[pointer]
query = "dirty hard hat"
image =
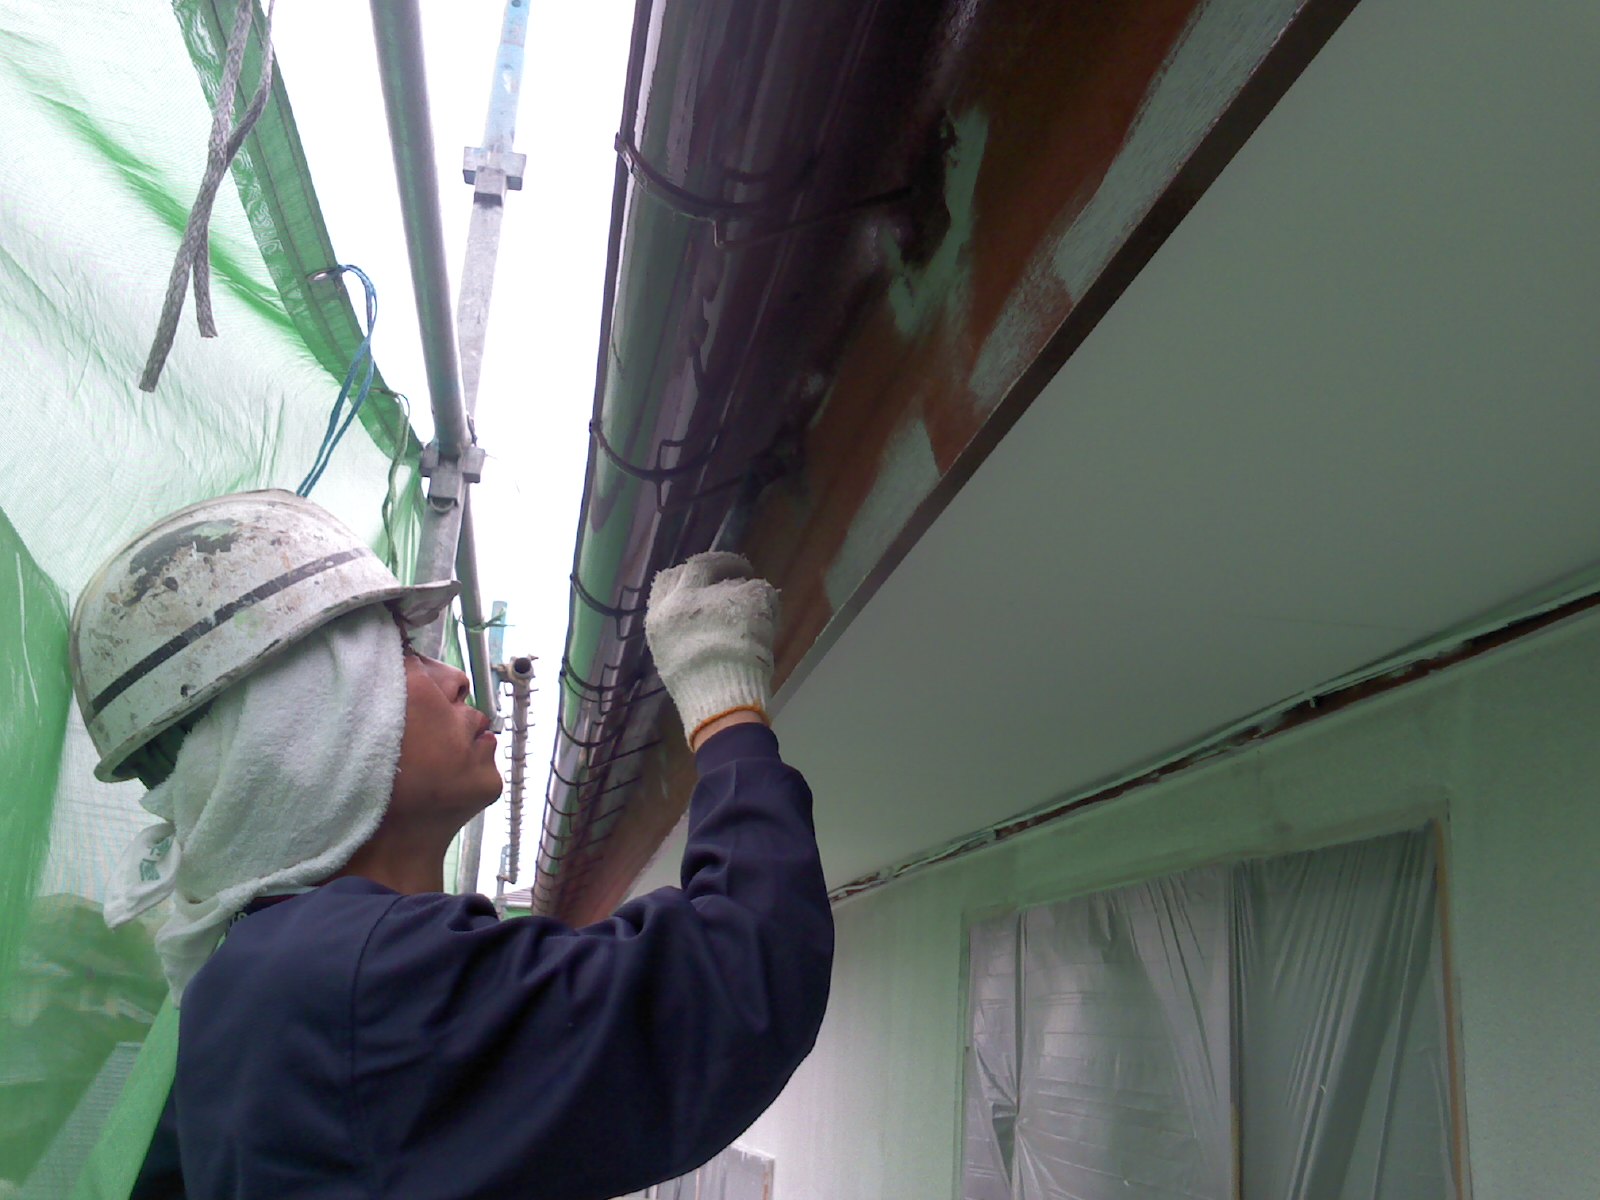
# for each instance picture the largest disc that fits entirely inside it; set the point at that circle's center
(204, 597)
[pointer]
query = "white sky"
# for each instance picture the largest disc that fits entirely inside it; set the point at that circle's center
(538, 373)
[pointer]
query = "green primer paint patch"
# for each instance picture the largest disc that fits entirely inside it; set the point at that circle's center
(906, 475)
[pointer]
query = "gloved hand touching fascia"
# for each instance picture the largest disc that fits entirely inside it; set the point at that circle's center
(710, 625)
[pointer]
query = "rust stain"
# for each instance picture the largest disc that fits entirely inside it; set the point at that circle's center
(1070, 80)
(795, 540)
(1062, 86)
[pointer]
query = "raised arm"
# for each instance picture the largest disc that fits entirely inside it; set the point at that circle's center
(525, 1056)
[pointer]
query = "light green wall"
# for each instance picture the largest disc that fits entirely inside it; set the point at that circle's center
(1505, 748)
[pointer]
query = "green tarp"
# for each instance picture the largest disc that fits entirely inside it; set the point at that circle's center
(101, 150)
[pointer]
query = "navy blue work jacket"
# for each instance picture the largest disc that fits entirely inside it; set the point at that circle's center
(356, 1043)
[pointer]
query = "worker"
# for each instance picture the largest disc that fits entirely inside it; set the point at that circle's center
(347, 1029)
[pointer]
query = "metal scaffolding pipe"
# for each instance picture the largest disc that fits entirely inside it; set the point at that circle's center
(483, 681)
(491, 169)
(396, 26)
(397, 29)
(447, 546)
(472, 614)
(437, 540)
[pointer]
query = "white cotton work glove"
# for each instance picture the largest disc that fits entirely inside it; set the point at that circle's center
(710, 625)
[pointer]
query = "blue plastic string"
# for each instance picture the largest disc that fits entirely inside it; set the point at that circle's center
(362, 362)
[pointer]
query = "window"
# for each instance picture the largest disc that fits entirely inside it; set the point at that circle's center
(1272, 1030)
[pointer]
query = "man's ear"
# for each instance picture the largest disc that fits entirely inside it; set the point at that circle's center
(154, 761)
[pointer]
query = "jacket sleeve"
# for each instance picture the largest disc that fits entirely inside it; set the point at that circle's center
(525, 1057)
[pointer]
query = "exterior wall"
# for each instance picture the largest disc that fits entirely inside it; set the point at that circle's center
(1503, 748)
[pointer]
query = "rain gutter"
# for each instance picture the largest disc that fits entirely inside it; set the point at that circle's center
(453, 460)
(726, 146)
(560, 808)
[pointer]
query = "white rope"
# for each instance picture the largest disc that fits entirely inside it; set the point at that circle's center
(194, 252)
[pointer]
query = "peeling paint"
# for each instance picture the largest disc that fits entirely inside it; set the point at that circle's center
(906, 474)
(917, 296)
(149, 565)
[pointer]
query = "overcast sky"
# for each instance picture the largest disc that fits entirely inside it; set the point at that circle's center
(538, 377)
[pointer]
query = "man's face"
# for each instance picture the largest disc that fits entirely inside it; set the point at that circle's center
(447, 767)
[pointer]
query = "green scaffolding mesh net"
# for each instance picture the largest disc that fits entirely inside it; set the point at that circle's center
(107, 109)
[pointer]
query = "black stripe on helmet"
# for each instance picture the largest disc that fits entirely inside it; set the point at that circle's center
(204, 626)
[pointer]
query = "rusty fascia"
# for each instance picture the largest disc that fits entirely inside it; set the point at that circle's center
(743, 181)
(1069, 141)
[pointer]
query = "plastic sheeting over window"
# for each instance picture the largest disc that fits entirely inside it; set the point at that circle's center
(991, 1059)
(735, 1174)
(1124, 1012)
(1342, 1068)
(1115, 1036)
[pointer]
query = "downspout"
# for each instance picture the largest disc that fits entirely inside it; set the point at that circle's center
(452, 461)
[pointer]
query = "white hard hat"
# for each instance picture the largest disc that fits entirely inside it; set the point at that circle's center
(204, 597)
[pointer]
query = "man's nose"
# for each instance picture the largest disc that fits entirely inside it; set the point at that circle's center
(452, 682)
